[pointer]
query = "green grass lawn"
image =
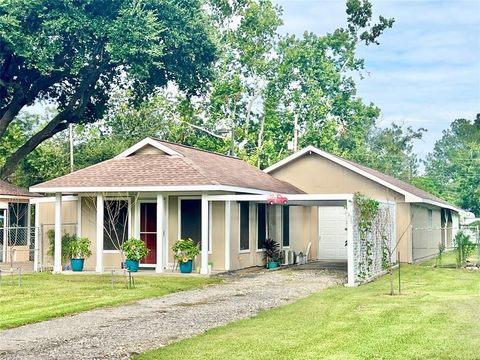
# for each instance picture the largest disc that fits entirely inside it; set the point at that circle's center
(436, 317)
(43, 296)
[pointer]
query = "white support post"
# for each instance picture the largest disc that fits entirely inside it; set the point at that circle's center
(29, 224)
(36, 242)
(99, 264)
(228, 212)
(205, 223)
(350, 248)
(57, 258)
(160, 231)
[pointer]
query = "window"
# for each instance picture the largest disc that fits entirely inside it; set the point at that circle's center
(17, 214)
(115, 224)
(286, 226)
(261, 225)
(244, 226)
(191, 219)
(430, 219)
(17, 224)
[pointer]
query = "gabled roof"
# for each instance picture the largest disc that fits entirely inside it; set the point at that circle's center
(411, 193)
(156, 165)
(13, 191)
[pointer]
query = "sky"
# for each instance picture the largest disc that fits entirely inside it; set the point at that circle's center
(426, 70)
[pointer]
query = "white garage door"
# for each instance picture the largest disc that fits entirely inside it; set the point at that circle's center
(332, 233)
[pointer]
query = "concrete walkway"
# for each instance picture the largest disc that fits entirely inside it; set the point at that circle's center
(119, 332)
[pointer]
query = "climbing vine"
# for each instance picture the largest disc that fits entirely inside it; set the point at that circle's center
(367, 211)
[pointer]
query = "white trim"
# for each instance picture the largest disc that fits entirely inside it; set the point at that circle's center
(290, 197)
(15, 198)
(111, 251)
(142, 144)
(228, 234)
(179, 217)
(150, 188)
(159, 243)
(244, 251)
(29, 224)
(350, 248)
(204, 240)
(52, 199)
(36, 254)
(57, 262)
(99, 233)
(166, 220)
(409, 197)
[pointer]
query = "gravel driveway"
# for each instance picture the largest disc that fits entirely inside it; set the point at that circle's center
(119, 332)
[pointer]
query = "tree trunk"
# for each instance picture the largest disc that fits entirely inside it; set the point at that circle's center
(57, 124)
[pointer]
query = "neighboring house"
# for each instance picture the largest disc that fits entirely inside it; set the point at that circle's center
(423, 221)
(15, 222)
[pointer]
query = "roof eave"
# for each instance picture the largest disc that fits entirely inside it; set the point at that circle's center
(155, 188)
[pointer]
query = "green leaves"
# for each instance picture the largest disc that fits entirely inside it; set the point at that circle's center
(453, 165)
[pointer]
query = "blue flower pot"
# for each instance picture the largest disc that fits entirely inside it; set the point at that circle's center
(131, 265)
(76, 264)
(272, 265)
(186, 267)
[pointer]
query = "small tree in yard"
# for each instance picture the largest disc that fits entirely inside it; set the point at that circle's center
(463, 248)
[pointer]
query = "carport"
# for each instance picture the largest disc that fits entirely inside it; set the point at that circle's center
(334, 225)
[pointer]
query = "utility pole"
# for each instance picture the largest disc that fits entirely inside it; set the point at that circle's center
(295, 133)
(70, 130)
(232, 149)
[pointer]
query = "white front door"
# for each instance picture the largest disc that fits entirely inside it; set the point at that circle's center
(332, 233)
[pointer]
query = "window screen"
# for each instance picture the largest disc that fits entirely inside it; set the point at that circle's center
(430, 219)
(286, 226)
(261, 225)
(244, 226)
(115, 224)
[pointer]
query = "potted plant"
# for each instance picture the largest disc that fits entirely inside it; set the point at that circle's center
(79, 250)
(271, 254)
(67, 240)
(185, 251)
(135, 250)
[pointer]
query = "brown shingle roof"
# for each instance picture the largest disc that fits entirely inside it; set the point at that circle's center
(193, 167)
(400, 184)
(13, 190)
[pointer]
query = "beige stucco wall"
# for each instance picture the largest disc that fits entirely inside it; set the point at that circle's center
(317, 175)
(425, 240)
(403, 229)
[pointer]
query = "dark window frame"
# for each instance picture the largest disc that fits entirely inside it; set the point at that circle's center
(262, 228)
(108, 243)
(285, 226)
(244, 224)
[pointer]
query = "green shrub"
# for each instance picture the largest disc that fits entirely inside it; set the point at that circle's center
(463, 247)
(73, 247)
(185, 249)
(134, 249)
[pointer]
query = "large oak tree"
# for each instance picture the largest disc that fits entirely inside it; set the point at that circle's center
(75, 54)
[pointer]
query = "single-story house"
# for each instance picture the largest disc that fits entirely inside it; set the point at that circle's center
(16, 238)
(423, 221)
(159, 192)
